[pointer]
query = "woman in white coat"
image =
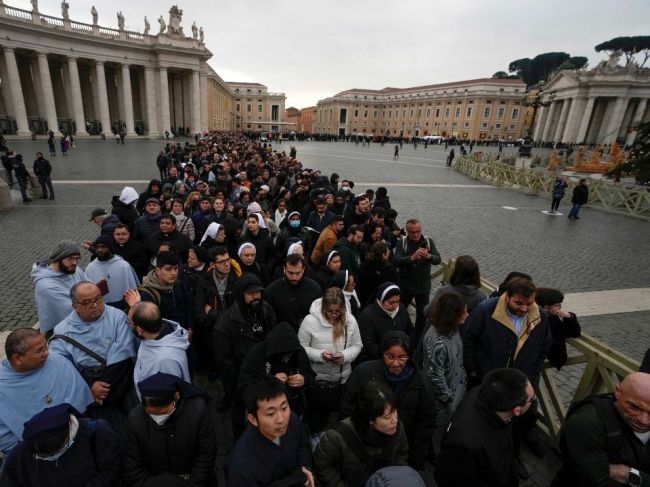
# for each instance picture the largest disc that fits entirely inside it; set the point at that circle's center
(330, 336)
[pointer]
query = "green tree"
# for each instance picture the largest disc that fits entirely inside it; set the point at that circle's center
(629, 46)
(575, 62)
(638, 164)
(500, 75)
(532, 71)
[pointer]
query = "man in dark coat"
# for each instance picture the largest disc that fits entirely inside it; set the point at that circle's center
(43, 171)
(153, 191)
(274, 447)
(171, 438)
(348, 249)
(148, 223)
(291, 296)
(61, 448)
(22, 176)
(415, 254)
(130, 250)
(282, 356)
(477, 450)
(178, 242)
(580, 197)
(360, 215)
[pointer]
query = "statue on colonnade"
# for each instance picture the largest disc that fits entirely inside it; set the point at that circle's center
(93, 12)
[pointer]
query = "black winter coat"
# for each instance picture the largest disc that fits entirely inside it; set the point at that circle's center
(126, 213)
(373, 274)
(92, 460)
(179, 243)
(415, 406)
(134, 253)
(561, 329)
(292, 303)
(145, 226)
(477, 450)
(265, 250)
(185, 445)
(580, 194)
(374, 323)
(206, 292)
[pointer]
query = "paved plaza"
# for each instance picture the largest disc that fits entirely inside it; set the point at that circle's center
(602, 260)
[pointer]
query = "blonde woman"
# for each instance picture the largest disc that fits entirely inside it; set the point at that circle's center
(330, 336)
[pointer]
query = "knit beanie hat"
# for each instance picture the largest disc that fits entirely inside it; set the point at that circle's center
(104, 240)
(65, 248)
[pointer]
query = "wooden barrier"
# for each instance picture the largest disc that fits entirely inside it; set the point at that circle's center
(603, 194)
(604, 368)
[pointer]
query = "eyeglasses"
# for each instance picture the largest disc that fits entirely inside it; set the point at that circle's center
(220, 262)
(391, 358)
(531, 400)
(90, 302)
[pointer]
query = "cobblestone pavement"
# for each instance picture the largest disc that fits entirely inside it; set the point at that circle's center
(601, 251)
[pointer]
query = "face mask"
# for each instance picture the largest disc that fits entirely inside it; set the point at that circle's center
(161, 419)
(294, 223)
(74, 427)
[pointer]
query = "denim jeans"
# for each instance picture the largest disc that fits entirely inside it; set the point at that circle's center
(575, 209)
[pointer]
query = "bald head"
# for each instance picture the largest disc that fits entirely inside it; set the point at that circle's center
(633, 401)
(147, 316)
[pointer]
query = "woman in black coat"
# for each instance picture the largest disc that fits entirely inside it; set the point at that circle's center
(415, 402)
(386, 313)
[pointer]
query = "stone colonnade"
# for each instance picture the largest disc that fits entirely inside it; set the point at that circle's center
(72, 94)
(590, 119)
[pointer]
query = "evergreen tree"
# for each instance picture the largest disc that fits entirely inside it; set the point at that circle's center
(638, 164)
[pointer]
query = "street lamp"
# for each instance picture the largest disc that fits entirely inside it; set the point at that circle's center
(537, 102)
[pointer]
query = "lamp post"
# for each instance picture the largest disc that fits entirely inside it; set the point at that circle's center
(537, 102)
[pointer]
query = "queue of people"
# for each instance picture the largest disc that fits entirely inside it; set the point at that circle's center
(243, 267)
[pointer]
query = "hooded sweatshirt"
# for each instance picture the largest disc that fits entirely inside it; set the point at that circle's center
(175, 301)
(52, 293)
(167, 354)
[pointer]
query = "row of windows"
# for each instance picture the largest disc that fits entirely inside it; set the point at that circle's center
(501, 111)
(484, 125)
(416, 95)
(249, 108)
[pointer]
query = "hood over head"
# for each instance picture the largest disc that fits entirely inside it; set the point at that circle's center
(281, 339)
(128, 195)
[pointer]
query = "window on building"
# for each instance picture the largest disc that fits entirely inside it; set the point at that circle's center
(468, 113)
(403, 113)
(374, 114)
(275, 112)
(365, 114)
(259, 108)
(515, 113)
(457, 115)
(486, 112)
(356, 113)
(343, 115)
(501, 112)
(238, 107)
(484, 125)
(411, 113)
(497, 126)
(446, 112)
(249, 108)
(512, 126)
(437, 112)
(428, 112)
(466, 125)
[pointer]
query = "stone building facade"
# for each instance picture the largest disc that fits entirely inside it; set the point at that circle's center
(598, 106)
(257, 109)
(480, 109)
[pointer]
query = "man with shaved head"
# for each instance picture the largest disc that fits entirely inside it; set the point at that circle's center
(605, 437)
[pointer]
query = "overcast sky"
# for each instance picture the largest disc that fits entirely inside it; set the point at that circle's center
(313, 49)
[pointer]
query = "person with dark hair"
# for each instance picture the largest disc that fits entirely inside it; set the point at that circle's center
(348, 249)
(274, 449)
(239, 328)
(60, 447)
(258, 234)
(154, 189)
(415, 404)
(375, 271)
(563, 324)
(502, 287)
(442, 357)
(179, 243)
(326, 239)
(465, 279)
(43, 170)
(344, 280)
(360, 214)
(32, 379)
(330, 336)
(162, 287)
(22, 175)
(291, 296)
(579, 197)
(382, 200)
(510, 331)
(282, 356)
(477, 450)
(386, 313)
(292, 230)
(130, 250)
(372, 437)
(330, 265)
(201, 217)
(163, 344)
(415, 254)
(171, 437)
(149, 221)
(53, 278)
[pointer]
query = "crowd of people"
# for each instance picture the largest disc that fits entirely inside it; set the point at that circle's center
(243, 268)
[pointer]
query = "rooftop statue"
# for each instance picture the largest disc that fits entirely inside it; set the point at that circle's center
(64, 10)
(162, 24)
(93, 12)
(175, 18)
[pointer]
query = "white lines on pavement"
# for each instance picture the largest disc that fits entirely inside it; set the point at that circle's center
(607, 302)
(511, 208)
(427, 185)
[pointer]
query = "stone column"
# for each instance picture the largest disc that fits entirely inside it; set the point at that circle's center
(196, 102)
(573, 120)
(48, 93)
(584, 124)
(549, 122)
(204, 103)
(615, 121)
(541, 121)
(150, 94)
(77, 102)
(127, 96)
(20, 112)
(164, 101)
(638, 117)
(561, 122)
(102, 94)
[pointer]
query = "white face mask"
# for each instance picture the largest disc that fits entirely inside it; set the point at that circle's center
(161, 419)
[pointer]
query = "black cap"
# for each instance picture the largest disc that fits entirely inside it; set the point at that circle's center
(49, 423)
(97, 212)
